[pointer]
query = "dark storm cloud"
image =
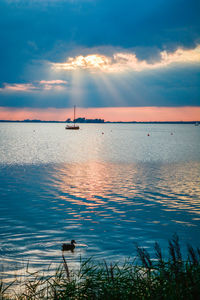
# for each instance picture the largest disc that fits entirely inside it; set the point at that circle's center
(32, 31)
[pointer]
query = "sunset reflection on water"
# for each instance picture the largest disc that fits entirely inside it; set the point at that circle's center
(94, 184)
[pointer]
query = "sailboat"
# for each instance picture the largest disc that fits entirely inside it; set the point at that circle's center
(73, 127)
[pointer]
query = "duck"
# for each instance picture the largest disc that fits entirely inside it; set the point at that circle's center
(67, 247)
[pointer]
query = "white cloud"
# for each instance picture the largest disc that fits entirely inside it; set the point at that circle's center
(124, 61)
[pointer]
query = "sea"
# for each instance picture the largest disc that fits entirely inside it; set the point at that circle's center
(109, 187)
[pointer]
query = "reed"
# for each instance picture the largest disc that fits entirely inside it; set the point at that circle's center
(143, 278)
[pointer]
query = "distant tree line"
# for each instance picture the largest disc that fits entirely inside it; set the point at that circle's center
(84, 120)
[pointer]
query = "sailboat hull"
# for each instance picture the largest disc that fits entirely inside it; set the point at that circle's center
(72, 127)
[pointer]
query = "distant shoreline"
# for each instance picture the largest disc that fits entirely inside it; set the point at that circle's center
(104, 122)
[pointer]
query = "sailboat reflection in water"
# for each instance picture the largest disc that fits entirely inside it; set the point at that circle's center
(74, 127)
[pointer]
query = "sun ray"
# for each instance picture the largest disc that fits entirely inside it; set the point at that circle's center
(130, 85)
(77, 89)
(107, 87)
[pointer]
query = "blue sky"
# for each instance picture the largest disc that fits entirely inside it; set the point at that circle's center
(99, 53)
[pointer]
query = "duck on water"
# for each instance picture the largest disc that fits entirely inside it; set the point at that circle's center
(69, 247)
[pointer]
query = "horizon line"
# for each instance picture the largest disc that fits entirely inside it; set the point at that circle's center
(93, 121)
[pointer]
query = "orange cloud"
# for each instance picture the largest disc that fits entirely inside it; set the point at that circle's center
(53, 82)
(120, 62)
(186, 113)
(18, 87)
(36, 86)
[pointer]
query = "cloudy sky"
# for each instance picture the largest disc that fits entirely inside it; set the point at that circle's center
(114, 59)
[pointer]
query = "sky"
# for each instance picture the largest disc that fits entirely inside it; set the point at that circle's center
(130, 60)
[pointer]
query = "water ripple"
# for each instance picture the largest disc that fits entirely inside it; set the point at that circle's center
(106, 197)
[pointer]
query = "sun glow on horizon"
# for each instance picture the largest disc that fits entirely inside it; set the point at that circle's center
(144, 114)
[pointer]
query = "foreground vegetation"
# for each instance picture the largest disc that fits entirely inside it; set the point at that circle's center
(152, 278)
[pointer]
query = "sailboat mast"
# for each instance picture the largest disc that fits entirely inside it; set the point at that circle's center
(71, 126)
(74, 114)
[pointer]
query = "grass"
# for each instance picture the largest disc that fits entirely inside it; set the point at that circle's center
(144, 278)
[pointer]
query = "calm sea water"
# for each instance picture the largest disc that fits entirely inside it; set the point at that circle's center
(108, 186)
